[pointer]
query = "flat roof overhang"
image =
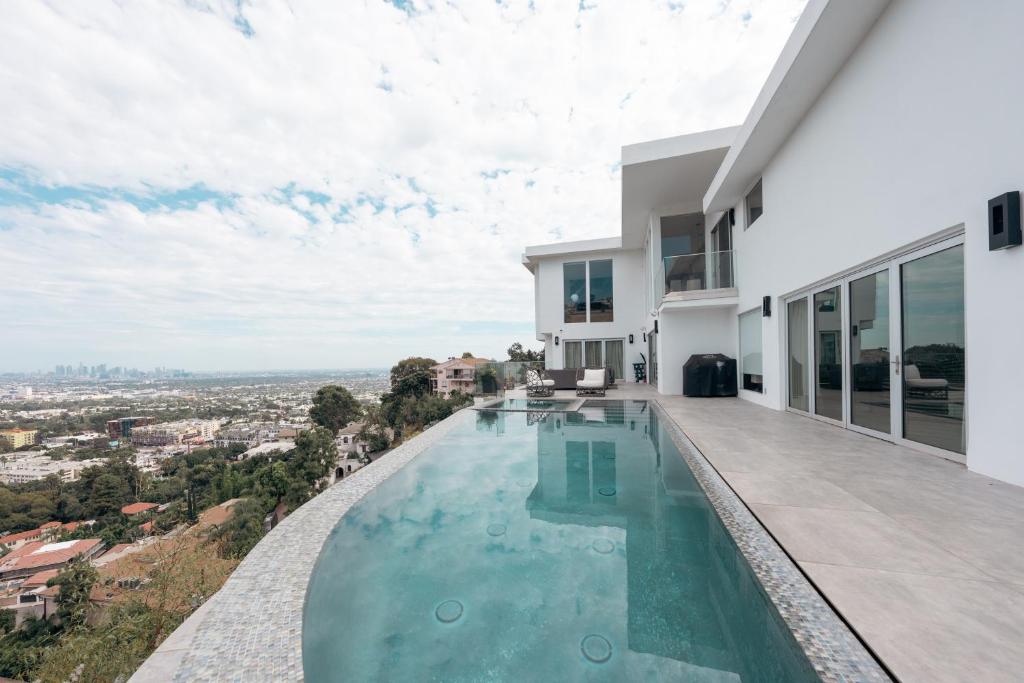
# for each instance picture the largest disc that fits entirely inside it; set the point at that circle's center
(823, 39)
(667, 173)
(538, 251)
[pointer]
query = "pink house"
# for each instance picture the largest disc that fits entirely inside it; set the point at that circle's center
(455, 374)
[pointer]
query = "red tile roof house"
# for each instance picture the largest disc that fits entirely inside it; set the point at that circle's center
(15, 541)
(38, 556)
(48, 530)
(137, 508)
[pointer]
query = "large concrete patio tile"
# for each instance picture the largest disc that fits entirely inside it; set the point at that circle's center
(996, 549)
(793, 490)
(859, 539)
(960, 495)
(929, 628)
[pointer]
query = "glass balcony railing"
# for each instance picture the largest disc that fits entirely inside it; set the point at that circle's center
(500, 376)
(696, 272)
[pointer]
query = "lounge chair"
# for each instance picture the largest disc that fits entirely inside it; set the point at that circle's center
(591, 382)
(937, 387)
(538, 385)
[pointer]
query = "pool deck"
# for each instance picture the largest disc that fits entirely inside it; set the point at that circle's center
(923, 559)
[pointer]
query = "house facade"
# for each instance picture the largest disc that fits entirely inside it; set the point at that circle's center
(839, 244)
(455, 374)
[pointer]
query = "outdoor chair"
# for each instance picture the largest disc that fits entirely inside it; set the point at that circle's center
(591, 382)
(538, 385)
(937, 388)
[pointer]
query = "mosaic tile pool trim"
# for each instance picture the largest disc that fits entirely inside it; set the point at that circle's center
(830, 646)
(251, 630)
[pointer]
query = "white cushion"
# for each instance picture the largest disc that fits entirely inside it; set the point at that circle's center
(593, 376)
(936, 383)
(587, 384)
(547, 382)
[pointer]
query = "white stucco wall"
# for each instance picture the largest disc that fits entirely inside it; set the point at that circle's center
(628, 292)
(683, 333)
(919, 129)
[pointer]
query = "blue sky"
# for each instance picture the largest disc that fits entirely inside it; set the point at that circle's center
(247, 185)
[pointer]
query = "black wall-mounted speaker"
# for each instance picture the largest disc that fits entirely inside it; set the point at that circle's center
(1004, 221)
(766, 307)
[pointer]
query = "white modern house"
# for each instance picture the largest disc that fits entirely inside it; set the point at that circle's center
(846, 243)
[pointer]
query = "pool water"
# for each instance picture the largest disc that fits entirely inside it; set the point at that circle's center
(542, 547)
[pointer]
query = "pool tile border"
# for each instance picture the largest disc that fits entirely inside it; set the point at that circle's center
(251, 629)
(832, 649)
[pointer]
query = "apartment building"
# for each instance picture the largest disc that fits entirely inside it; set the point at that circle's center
(175, 433)
(839, 244)
(34, 466)
(121, 428)
(18, 438)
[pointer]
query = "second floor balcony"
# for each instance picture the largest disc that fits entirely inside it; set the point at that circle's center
(702, 275)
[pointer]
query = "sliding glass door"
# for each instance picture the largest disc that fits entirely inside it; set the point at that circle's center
(596, 353)
(828, 353)
(870, 341)
(882, 351)
(798, 334)
(934, 349)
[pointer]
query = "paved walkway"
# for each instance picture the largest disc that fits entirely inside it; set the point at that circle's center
(924, 559)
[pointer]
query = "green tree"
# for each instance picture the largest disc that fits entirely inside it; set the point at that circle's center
(242, 530)
(517, 353)
(467, 354)
(75, 581)
(409, 367)
(374, 432)
(309, 464)
(334, 407)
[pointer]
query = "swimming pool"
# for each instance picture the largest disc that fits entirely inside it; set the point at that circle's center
(542, 546)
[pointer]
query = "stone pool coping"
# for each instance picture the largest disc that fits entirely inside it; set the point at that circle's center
(251, 630)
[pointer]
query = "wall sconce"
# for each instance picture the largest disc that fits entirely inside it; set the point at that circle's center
(766, 307)
(631, 339)
(556, 341)
(1004, 221)
(655, 327)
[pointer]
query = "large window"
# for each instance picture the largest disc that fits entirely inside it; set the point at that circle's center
(755, 204)
(574, 277)
(573, 355)
(601, 291)
(587, 291)
(750, 350)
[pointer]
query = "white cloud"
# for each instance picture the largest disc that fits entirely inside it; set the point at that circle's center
(374, 173)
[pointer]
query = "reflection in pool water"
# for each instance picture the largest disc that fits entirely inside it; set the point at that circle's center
(552, 547)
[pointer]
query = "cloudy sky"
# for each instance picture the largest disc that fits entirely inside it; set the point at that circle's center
(266, 184)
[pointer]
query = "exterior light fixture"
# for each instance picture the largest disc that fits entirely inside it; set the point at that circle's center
(556, 341)
(655, 327)
(630, 339)
(766, 307)
(1004, 228)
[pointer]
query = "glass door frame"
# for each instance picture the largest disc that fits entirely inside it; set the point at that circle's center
(893, 265)
(896, 284)
(895, 373)
(812, 397)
